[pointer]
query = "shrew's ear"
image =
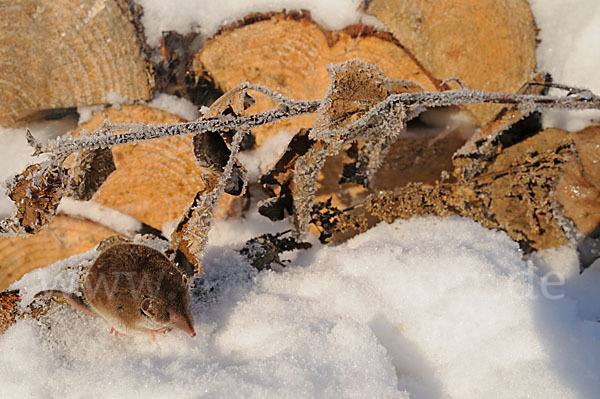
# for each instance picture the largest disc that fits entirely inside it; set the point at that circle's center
(148, 307)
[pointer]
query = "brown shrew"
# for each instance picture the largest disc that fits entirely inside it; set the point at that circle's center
(135, 288)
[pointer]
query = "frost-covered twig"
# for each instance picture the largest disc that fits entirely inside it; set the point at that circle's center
(580, 99)
(63, 147)
(278, 98)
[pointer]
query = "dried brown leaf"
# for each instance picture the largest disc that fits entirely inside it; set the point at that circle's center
(266, 249)
(211, 151)
(8, 309)
(354, 89)
(90, 171)
(37, 192)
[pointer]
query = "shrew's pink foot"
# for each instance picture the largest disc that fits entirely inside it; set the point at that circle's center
(117, 334)
(153, 333)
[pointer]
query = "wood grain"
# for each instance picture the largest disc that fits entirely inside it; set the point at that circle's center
(289, 53)
(57, 54)
(488, 44)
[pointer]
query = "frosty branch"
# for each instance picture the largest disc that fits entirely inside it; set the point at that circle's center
(361, 104)
(109, 135)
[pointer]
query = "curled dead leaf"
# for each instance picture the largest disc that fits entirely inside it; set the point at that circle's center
(8, 309)
(37, 192)
(89, 171)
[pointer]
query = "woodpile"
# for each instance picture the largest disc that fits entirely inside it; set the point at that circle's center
(541, 187)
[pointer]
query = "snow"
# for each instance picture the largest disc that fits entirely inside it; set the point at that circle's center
(16, 153)
(207, 16)
(263, 158)
(91, 210)
(116, 99)
(175, 105)
(423, 308)
(166, 102)
(569, 32)
(86, 112)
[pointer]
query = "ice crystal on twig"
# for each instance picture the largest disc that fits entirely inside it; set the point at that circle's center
(304, 189)
(61, 148)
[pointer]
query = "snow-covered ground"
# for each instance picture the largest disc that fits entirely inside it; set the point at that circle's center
(426, 308)
(429, 308)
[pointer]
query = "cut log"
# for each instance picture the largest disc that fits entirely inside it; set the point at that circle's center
(154, 180)
(519, 185)
(426, 150)
(63, 237)
(289, 53)
(487, 44)
(60, 54)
